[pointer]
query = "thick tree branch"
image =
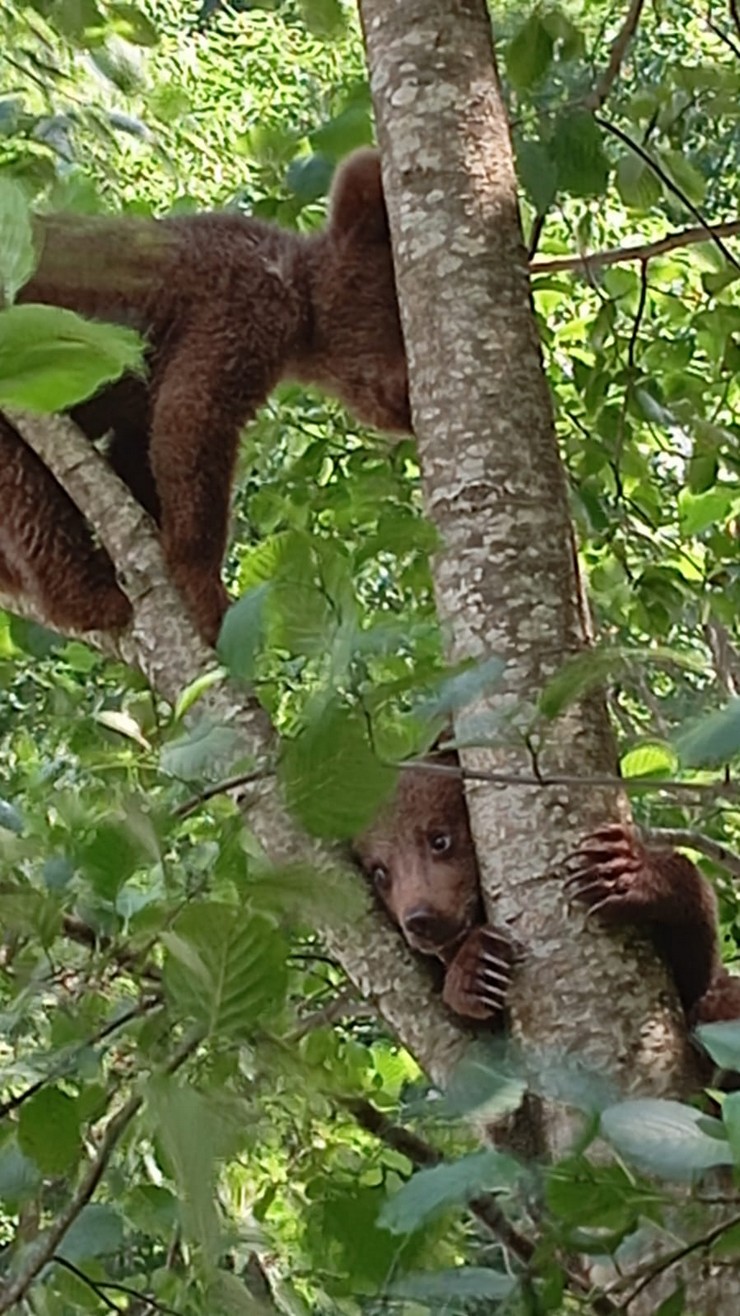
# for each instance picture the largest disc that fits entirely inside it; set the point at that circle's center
(163, 645)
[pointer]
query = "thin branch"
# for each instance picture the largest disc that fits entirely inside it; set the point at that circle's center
(484, 1206)
(56, 1071)
(595, 99)
(667, 182)
(657, 1265)
(720, 788)
(645, 251)
(98, 1285)
(714, 850)
(346, 1006)
(39, 1256)
(735, 15)
(221, 788)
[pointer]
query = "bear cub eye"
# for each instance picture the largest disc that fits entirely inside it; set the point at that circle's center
(381, 877)
(440, 842)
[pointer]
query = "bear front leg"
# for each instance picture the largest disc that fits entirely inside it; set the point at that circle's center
(478, 976)
(624, 881)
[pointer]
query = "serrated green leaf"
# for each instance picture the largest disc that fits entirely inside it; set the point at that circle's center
(430, 1192)
(529, 54)
(666, 1137)
(17, 252)
(51, 358)
(225, 968)
(712, 739)
(49, 1130)
(187, 1126)
(333, 780)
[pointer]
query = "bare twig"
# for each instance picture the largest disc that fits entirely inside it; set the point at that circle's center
(595, 99)
(735, 15)
(645, 251)
(720, 788)
(37, 1257)
(222, 788)
(346, 1006)
(99, 1286)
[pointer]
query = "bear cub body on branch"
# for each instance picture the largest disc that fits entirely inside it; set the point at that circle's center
(419, 855)
(229, 306)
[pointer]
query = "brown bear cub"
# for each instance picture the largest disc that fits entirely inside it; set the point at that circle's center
(419, 855)
(229, 306)
(420, 858)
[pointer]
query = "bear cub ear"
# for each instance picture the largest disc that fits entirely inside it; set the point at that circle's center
(357, 204)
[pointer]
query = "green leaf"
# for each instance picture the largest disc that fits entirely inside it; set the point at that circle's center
(698, 512)
(332, 778)
(529, 54)
(437, 1288)
(187, 1126)
(133, 25)
(537, 173)
(638, 185)
(731, 1121)
(685, 175)
(666, 1137)
(722, 1042)
(674, 1305)
(583, 167)
(652, 759)
(225, 968)
(577, 675)
(430, 1192)
(242, 632)
(51, 358)
(49, 1130)
(17, 253)
(207, 752)
(19, 1177)
(713, 739)
(310, 177)
(351, 128)
(96, 1232)
(325, 18)
(581, 1195)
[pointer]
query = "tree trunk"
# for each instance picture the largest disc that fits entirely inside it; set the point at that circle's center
(507, 581)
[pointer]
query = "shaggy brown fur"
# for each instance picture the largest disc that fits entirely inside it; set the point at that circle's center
(624, 881)
(229, 306)
(419, 855)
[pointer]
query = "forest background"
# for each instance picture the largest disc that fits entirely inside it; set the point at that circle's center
(268, 1110)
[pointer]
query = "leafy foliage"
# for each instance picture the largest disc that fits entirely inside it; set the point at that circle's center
(153, 965)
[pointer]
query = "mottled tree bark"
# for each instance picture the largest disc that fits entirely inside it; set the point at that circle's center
(506, 579)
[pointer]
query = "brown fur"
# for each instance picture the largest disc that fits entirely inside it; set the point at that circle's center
(230, 306)
(419, 854)
(435, 899)
(624, 881)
